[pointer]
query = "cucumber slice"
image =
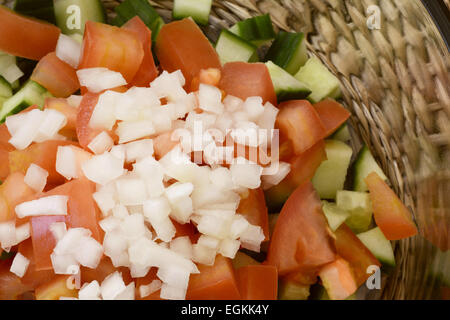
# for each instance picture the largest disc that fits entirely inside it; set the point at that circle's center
(31, 94)
(199, 10)
(5, 88)
(288, 51)
(359, 206)
(330, 176)
(40, 9)
(72, 15)
(258, 30)
(142, 8)
(342, 134)
(364, 165)
(231, 47)
(289, 290)
(380, 247)
(286, 86)
(2, 100)
(335, 215)
(321, 81)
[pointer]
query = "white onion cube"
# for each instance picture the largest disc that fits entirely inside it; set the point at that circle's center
(103, 168)
(101, 143)
(46, 206)
(139, 149)
(134, 130)
(246, 174)
(99, 79)
(19, 265)
(36, 177)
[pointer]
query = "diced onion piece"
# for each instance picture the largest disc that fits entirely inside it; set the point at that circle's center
(119, 152)
(221, 177)
(157, 212)
(232, 103)
(210, 99)
(152, 287)
(23, 232)
(246, 174)
(19, 265)
(90, 291)
(101, 143)
(128, 293)
(229, 247)
(254, 108)
(138, 271)
(36, 177)
(14, 122)
(162, 118)
(66, 164)
(105, 201)
(131, 191)
(246, 133)
(268, 117)
(103, 168)
(99, 79)
(110, 224)
(8, 234)
(28, 129)
(89, 252)
(112, 286)
(52, 122)
(203, 255)
(133, 226)
(178, 191)
(115, 246)
(182, 209)
(169, 292)
(238, 226)
(64, 264)
(69, 244)
(46, 206)
(134, 130)
(252, 237)
(58, 230)
(174, 276)
(138, 150)
(274, 174)
(11, 73)
(214, 226)
(68, 50)
(183, 246)
(178, 165)
(103, 116)
(74, 100)
(209, 242)
(169, 86)
(120, 211)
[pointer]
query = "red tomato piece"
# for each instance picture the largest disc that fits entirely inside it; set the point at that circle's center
(111, 47)
(301, 239)
(13, 192)
(56, 76)
(300, 123)
(147, 71)
(59, 287)
(11, 286)
(332, 114)
(181, 45)
(32, 277)
(338, 279)
(85, 133)
(187, 229)
(244, 80)
(26, 37)
(209, 76)
(217, 282)
(390, 214)
(349, 247)
(70, 112)
(258, 282)
(253, 208)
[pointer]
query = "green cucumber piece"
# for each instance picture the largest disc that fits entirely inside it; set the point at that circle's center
(380, 247)
(320, 80)
(289, 290)
(2, 100)
(258, 30)
(342, 134)
(199, 10)
(286, 86)
(288, 51)
(30, 94)
(330, 176)
(40, 9)
(335, 215)
(364, 165)
(142, 8)
(5, 88)
(231, 47)
(359, 206)
(72, 15)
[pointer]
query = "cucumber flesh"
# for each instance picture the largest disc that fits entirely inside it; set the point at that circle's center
(364, 165)
(5, 88)
(330, 176)
(72, 15)
(40, 9)
(199, 10)
(342, 134)
(335, 215)
(320, 80)
(359, 206)
(380, 247)
(288, 51)
(258, 30)
(231, 47)
(30, 94)
(289, 290)
(286, 86)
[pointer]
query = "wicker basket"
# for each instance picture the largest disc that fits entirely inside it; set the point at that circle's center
(395, 81)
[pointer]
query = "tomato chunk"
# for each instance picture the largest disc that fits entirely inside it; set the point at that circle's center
(11, 286)
(70, 112)
(56, 76)
(215, 282)
(33, 278)
(147, 71)
(350, 248)
(301, 124)
(332, 114)
(389, 212)
(338, 279)
(244, 80)
(258, 282)
(85, 133)
(301, 239)
(110, 47)
(181, 45)
(60, 286)
(253, 208)
(13, 192)
(26, 37)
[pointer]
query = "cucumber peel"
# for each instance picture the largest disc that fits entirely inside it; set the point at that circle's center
(359, 206)
(364, 165)
(198, 10)
(335, 215)
(380, 247)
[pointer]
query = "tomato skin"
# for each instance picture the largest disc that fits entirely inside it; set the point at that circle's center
(301, 124)
(147, 71)
(332, 114)
(301, 239)
(350, 248)
(111, 47)
(258, 282)
(181, 45)
(85, 133)
(12, 192)
(244, 80)
(26, 37)
(217, 282)
(56, 76)
(389, 212)
(70, 112)
(253, 208)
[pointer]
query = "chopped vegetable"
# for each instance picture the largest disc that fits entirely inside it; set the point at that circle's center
(377, 243)
(72, 15)
(359, 206)
(231, 48)
(258, 30)
(338, 279)
(364, 165)
(332, 114)
(258, 282)
(197, 9)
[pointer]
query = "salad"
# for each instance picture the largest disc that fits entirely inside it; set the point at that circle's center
(141, 161)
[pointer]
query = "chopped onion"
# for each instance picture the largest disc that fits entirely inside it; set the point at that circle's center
(68, 50)
(152, 287)
(112, 286)
(178, 191)
(238, 226)
(268, 117)
(101, 143)
(74, 100)
(66, 164)
(126, 108)
(209, 242)
(169, 86)
(134, 130)
(133, 226)
(103, 168)
(105, 201)
(14, 122)
(110, 224)
(139, 150)
(214, 226)
(11, 73)
(232, 103)
(89, 252)
(229, 247)
(36, 177)
(103, 117)
(246, 134)
(52, 122)
(178, 165)
(128, 293)
(138, 271)
(115, 246)
(252, 237)
(182, 209)
(210, 99)
(183, 246)
(90, 291)
(203, 255)
(58, 230)
(120, 211)
(28, 130)
(174, 276)
(246, 174)
(254, 108)
(172, 293)
(19, 265)
(274, 174)
(131, 191)
(70, 242)
(119, 152)
(64, 264)
(162, 119)
(8, 234)
(99, 79)
(221, 177)
(23, 232)
(46, 206)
